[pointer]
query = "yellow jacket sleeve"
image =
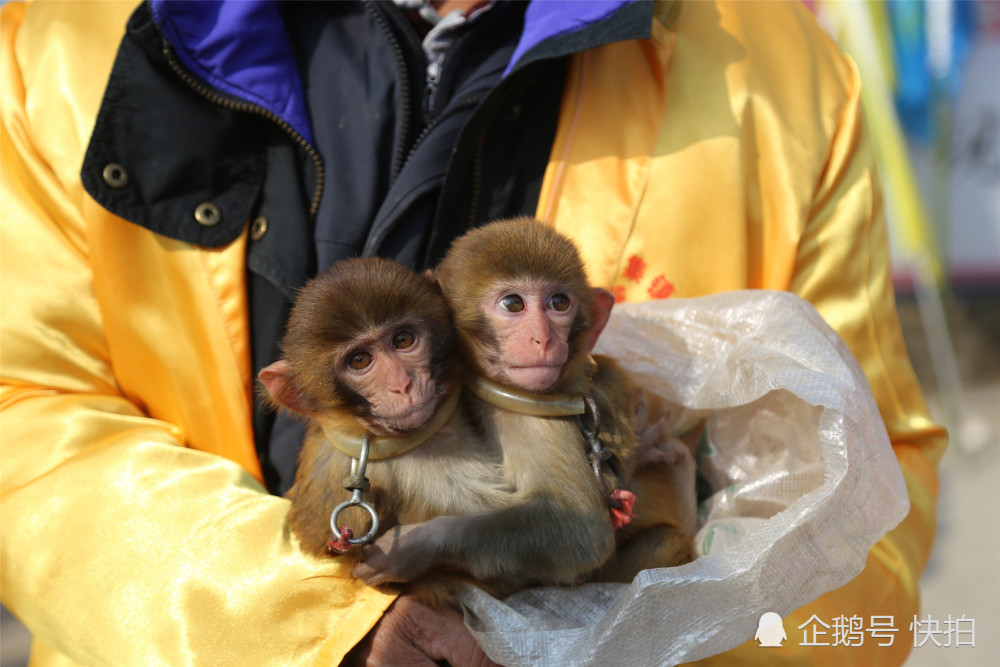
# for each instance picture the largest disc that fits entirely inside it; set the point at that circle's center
(122, 543)
(842, 266)
(745, 164)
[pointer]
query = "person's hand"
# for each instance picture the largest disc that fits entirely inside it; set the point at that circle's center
(413, 634)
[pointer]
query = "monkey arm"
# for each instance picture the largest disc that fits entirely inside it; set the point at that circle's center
(122, 544)
(540, 540)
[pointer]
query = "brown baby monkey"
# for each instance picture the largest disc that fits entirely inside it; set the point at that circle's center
(370, 351)
(527, 319)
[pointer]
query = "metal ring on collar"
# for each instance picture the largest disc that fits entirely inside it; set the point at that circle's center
(358, 467)
(355, 501)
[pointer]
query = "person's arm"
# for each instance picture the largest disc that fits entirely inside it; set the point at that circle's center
(758, 175)
(842, 267)
(121, 545)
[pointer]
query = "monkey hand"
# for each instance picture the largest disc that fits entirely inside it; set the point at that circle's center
(668, 463)
(651, 416)
(669, 452)
(401, 554)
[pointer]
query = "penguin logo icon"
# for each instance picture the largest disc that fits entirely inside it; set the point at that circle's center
(770, 630)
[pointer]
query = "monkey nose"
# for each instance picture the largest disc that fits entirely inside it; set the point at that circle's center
(542, 337)
(540, 333)
(400, 384)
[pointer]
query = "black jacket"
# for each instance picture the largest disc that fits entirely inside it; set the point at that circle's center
(387, 165)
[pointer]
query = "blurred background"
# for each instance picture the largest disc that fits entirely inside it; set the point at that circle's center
(931, 73)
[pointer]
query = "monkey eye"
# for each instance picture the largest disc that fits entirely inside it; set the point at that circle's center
(512, 303)
(360, 360)
(403, 339)
(560, 302)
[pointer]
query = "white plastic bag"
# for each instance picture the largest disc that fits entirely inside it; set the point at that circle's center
(814, 484)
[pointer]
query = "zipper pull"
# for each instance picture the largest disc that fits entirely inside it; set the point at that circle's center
(432, 78)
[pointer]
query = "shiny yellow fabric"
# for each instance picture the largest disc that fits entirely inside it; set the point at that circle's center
(134, 528)
(745, 164)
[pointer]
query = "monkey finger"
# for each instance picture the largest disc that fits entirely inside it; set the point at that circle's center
(653, 430)
(368, 574)
(378, 570)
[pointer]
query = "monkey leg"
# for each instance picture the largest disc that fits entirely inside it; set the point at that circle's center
(665, 510)
(655, 547)
(664, 485)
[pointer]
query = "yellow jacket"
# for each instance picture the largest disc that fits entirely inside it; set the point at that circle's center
(135, 530)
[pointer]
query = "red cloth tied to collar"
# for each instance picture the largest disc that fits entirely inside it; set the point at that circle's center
(343, 545)
(622, 515)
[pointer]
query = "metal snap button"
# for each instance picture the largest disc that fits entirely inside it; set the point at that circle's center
(207, 214)
(115, 175)
(258, 228)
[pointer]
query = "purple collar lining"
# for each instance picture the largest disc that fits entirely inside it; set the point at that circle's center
(238, 47)
(232, 47)
(547, 18)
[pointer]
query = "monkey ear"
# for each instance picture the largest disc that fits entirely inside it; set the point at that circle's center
(601, 303)
(430, 275)
(277, 380)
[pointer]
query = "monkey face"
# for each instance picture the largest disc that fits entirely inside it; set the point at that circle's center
(521, 303)
(531, 320)
(370, 341)
(391, 370)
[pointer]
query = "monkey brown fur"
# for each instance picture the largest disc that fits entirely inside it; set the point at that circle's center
(461, 500)
(508, 287)
(505, 254)
(352, 300)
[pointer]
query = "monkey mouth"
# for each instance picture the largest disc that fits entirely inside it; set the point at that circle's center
(534, 378)
(409, 419)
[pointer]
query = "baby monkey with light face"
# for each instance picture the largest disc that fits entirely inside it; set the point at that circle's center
(498, 487)
(370, 351)
(527, 320)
